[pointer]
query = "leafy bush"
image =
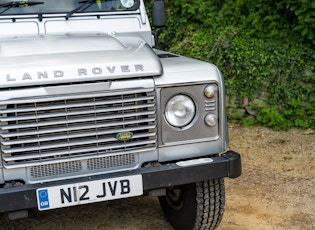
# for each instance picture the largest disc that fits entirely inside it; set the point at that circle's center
(305, 12)
(270, 117)
(253, 45)
(262, 19)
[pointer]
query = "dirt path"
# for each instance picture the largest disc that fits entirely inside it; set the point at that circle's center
(277, 187)
(276, 191)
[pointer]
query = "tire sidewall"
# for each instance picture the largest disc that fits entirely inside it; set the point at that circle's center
(186, 210)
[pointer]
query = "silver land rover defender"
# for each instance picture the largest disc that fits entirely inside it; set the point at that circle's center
(90, 112)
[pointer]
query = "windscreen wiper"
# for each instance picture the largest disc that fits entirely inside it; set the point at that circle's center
(12, 4)
(84, 5)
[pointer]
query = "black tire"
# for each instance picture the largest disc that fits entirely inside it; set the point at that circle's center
(195, 206)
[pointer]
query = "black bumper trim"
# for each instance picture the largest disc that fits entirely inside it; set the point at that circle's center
(227, 165)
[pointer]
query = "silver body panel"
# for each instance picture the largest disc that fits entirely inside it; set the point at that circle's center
(73, 58)
(182, 71)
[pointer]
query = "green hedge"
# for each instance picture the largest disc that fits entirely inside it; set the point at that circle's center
(261, 18)
(260, 54)
(305, 17)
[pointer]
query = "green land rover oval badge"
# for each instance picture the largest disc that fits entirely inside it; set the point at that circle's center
(124, 136)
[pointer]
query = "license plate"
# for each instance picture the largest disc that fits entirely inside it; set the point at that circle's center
(89, 192)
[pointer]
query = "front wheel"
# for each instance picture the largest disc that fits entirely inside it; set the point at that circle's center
(195, 206)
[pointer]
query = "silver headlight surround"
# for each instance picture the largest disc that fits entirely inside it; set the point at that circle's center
(197, 130)
(180, 111)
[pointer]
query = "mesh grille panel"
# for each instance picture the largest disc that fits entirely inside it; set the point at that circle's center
(55, 169)
(111, 162)
(72, 167)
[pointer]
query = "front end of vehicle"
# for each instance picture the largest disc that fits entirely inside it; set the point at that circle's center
(89, 112)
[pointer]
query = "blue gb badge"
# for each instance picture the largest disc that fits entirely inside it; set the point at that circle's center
(42, 195)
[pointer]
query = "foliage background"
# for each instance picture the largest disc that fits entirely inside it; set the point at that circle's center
(264, 48)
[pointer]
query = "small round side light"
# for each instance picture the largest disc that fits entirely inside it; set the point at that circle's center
(210, 91)
(211, 119)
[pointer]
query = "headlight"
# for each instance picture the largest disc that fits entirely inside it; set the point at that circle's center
(180, 110)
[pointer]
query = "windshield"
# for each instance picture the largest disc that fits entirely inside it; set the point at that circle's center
(65, 6)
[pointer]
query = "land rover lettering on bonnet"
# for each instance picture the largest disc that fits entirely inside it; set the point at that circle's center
(80, 72)
(92, 111)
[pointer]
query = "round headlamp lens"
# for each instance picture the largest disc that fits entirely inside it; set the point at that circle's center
(180, 110)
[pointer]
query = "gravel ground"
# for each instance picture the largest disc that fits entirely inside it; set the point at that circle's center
(276, 191)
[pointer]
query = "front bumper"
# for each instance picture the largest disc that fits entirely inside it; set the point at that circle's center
(226, 165)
